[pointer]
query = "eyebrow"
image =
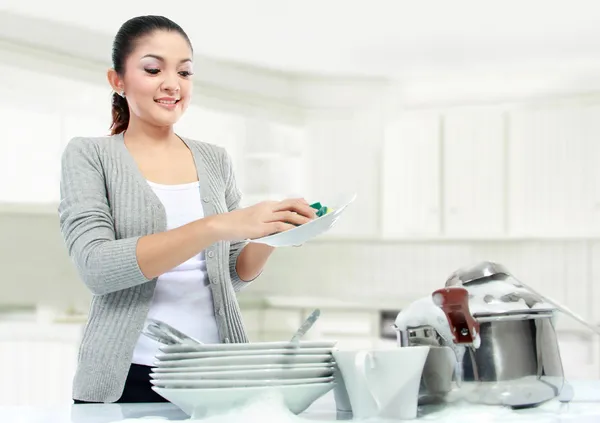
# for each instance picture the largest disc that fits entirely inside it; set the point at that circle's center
(154, 56)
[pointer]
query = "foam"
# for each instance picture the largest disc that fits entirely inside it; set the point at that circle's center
(269, 407)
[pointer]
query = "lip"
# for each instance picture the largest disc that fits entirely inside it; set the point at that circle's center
(168, 106)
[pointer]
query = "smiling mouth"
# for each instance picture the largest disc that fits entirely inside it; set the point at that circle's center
(167, 101)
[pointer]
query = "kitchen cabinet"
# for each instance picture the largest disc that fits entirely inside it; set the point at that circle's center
(41, 359)
(30, 152)
(553, 181)
(473, 172)
(344, 157)
(411, 172)
(272, 161)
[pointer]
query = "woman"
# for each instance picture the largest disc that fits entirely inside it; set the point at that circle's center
(152, 223)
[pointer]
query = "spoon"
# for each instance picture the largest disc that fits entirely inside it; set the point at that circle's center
(310, 320)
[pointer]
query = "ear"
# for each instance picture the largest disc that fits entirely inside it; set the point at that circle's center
(115, 81)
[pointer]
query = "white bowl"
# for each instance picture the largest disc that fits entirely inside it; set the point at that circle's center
(198, 403)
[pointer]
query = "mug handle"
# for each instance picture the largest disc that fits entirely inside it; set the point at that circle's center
(360, 362)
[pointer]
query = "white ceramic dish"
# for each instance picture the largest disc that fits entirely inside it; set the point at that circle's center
(234, 383)
(303, 233)
(244, 360)
(202, 369)
(205, 354)
(309, 372)
(198, 403)
(247, 346)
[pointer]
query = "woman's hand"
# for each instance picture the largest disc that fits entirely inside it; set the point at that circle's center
(262, 219)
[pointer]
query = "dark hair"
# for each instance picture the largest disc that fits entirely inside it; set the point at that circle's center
(124, 43)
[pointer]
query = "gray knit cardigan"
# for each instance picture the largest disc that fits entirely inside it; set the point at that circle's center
(106, 206)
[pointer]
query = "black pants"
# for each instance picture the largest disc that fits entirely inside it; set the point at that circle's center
(137, 387)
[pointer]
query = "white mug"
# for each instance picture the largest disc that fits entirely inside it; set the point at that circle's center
(383, 383)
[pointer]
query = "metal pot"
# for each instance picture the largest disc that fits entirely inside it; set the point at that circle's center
(505, 358)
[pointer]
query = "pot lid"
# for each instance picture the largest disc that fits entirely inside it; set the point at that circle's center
(493, 290)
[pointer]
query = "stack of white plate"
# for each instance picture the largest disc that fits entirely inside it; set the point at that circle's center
(210, 378)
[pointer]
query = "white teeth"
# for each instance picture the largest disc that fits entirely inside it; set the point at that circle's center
(166, 101)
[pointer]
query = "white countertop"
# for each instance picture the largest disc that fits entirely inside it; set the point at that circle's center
(584, 408)
(254, 300)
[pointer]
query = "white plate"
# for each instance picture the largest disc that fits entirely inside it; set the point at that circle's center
(234, 383)
(248, 346)
(303, 233)
(198, 403)
(200, 369)
(309, 372)
(253, 359)
(204, 354)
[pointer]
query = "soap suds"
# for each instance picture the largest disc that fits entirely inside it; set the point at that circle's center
(269, 407)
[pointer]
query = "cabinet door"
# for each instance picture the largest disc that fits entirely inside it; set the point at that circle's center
(552, 171)
(343, 158)
(274, 162)
(30, 148)
(411, 176)
(473, 172)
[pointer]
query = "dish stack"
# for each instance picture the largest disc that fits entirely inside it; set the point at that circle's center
(204, 379)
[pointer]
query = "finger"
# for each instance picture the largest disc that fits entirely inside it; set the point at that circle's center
(289, 217)
(277, 227)
(297, 206)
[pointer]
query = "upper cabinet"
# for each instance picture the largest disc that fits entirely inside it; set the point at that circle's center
(473, 172)
(272, 160)
(40, 113)
(344, 158)
(553, 174)
(443, 174)
(30, 149)
(411, 172)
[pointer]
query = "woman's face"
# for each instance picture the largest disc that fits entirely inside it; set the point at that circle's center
(157, 81)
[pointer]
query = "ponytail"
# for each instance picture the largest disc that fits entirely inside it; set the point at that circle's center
(120, 114)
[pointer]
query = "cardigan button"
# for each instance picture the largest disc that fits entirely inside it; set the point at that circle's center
(206, 199)
(211, 254)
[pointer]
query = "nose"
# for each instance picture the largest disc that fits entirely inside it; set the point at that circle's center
(171, 82)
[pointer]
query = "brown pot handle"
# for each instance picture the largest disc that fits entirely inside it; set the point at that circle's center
(454, 302)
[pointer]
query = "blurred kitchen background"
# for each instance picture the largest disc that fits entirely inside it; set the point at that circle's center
(469, 130)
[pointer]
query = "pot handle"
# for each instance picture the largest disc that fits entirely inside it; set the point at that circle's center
(454, 302)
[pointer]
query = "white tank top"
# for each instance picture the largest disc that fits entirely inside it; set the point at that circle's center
(182, 297)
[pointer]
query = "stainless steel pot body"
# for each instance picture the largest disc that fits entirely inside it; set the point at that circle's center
(517, 364)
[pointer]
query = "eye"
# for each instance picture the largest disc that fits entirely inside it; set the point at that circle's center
(185, 74)
(152, 71)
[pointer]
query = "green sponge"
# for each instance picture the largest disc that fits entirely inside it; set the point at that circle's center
(321, 210)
